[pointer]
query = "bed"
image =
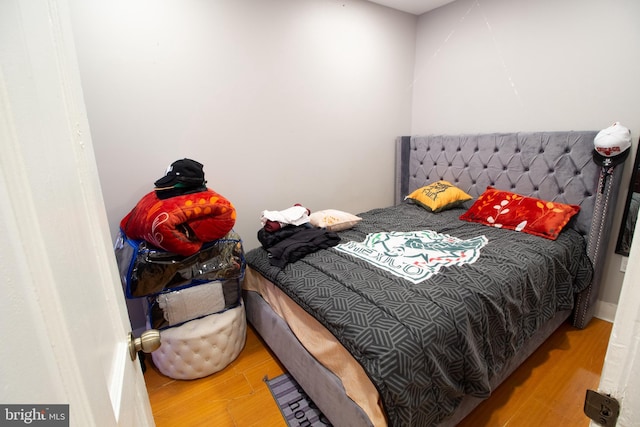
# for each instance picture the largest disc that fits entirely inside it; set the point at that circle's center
(371, 348)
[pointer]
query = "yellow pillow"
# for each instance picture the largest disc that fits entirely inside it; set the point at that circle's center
(439, 196)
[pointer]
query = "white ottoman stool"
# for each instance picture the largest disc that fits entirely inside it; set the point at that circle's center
(202, 346)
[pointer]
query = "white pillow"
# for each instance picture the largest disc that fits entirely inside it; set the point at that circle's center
(333, 220)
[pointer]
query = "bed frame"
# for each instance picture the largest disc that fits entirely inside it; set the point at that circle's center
(554, 166)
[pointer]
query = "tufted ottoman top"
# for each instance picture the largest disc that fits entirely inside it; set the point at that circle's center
(203, 346)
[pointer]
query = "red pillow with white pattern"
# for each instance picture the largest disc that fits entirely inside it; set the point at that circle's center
(503, 209)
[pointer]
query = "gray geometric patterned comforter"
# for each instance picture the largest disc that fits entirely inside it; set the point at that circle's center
(426, 345)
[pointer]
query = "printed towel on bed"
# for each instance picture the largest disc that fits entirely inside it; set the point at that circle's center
(426, 345)
(415, 255)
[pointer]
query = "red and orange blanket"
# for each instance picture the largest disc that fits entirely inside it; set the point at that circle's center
(180, 224)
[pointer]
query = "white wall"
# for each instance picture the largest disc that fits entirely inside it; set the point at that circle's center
(276, 98)
(520, 65)
(283, 101)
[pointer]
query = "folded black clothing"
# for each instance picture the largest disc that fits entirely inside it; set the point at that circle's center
(270, 238)
(299, 244)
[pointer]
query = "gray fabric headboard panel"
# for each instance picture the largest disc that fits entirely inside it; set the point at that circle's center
(555, 166)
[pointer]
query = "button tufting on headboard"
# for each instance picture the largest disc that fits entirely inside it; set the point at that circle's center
(547, 165)
(554, 166)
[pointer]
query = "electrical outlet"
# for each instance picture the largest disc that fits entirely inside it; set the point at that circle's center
(623, 264)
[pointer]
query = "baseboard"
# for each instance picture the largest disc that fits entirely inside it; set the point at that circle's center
(605, 310)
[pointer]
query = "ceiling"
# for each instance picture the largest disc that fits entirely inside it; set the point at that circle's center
(417, 7)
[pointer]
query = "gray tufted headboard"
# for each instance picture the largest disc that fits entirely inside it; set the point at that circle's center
(555, 166)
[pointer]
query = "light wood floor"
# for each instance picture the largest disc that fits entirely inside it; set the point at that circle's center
(548, 390)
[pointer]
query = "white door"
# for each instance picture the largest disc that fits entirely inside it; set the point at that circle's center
(620, 377)
(64, 324)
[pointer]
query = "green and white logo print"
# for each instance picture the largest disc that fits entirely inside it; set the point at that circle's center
(415, 255)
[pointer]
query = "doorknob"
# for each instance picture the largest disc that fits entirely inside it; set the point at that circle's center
(149, 341)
